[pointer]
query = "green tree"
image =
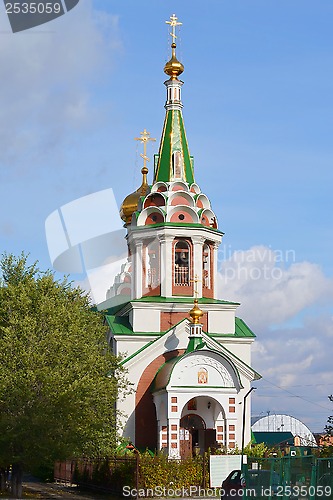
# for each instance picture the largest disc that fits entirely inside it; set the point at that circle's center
(58, 380)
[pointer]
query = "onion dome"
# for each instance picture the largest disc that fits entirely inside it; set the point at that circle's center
(131, 202)
(195, 313)
(173, 68)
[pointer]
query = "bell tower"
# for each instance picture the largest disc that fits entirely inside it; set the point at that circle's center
(172, 232)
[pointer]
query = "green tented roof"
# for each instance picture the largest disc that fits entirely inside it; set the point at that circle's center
(173, 139)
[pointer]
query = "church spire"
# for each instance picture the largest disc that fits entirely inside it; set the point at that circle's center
(174, 161)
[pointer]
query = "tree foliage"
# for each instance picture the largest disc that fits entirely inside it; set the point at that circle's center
(329, 426)
(58, 379)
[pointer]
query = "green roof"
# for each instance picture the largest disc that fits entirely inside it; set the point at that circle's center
(173, 139)
(120, 325)
(273, 438)
(175, 224)
(188, 300)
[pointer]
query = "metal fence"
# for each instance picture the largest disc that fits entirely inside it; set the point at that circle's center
(273, 478)
(288, 477)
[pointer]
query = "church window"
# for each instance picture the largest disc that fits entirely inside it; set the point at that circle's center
(182, 264)
(181, 216)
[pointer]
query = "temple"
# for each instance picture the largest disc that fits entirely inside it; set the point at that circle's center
(186, 352)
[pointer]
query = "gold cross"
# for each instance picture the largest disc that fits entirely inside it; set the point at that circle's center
(195, 281)
(173, 23)
(145, 137)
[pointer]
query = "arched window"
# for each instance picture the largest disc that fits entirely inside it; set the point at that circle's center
(182, 264)
(206, 265)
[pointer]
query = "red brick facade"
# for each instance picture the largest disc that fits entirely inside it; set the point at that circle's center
(169, 319)
(145, 413)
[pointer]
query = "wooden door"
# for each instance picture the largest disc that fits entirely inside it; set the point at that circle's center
(185, 440)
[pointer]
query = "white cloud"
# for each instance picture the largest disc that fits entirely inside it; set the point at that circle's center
(270, 292)
(288, 305)
(46, 78)
(297, 372)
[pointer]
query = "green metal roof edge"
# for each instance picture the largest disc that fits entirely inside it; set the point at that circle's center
(189, 174)
(163, 166)
(160, 334)
(176, 224)
(189, 300)
(242, 327)
(130, 332)
(241, 331)
(203, 387)
(111, 320)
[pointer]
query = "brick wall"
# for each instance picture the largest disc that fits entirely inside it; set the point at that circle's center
(145, 413)
(169, 319)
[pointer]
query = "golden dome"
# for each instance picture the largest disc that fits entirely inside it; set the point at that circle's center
(195, 312)
(173, 68)
(131, 202)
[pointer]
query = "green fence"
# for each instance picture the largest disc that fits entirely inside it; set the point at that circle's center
(290, 477)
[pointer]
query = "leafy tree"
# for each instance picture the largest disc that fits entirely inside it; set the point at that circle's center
(56, 400)
(329, 426)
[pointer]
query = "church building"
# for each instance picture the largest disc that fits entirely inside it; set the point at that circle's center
(186, 352)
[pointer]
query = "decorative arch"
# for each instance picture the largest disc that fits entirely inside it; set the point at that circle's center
(192, 421)
(208, 218)
(202, 201)
(151, 215)
(181, 198)
(178, 186)
(182, 214)
(154, 200)
(159, 187)
(195, 188)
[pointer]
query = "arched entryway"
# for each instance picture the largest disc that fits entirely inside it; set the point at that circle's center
(192, 432)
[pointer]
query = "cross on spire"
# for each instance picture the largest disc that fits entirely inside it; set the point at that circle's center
(173, 23)
(144, 138)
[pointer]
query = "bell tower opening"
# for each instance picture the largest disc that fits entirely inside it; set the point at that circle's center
(182, 284)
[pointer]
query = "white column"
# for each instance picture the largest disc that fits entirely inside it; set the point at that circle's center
(198, 242)
(215, 255)
(173, 444)
(137, 271)
(166, 264)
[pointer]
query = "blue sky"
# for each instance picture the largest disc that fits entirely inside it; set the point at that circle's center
(258, 110)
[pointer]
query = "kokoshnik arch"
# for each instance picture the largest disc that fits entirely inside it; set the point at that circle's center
(187, 354)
